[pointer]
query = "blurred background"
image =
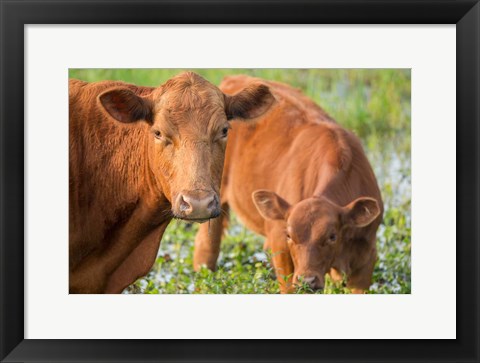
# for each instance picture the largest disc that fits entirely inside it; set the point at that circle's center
(375, 104)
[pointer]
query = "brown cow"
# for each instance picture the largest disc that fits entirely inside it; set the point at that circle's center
(318, 206)
(140, 156)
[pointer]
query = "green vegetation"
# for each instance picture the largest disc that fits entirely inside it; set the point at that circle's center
(375, 104)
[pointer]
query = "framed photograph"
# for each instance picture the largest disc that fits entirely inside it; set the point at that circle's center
(240, 181)
(189, 123)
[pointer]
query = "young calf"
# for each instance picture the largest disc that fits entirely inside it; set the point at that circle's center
(315, 196)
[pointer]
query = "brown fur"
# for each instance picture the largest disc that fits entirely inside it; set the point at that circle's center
(137, 154)
(316, 183)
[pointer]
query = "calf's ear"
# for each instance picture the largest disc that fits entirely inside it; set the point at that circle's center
(270, 205)
(251, 102)
(125, 106)
(361, 212)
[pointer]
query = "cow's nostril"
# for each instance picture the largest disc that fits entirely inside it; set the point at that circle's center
(310, 280)
(212, 204)
(184, 205)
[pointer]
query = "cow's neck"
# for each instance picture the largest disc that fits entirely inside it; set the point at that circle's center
(332, 185)
(325, 185)
(130, 180)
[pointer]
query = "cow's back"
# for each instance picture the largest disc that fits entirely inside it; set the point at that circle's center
(295, 150)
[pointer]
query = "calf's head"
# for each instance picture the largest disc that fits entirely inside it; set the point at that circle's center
(186, 123)
(315, 230)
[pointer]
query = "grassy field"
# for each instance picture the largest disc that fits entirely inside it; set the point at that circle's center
(375, 104)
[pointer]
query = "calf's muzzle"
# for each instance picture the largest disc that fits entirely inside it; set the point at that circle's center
(312, 280)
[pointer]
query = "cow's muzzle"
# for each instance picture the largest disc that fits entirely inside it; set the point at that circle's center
(313, 281)
(197, 205)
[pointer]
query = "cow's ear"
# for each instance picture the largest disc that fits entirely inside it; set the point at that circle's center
(361, 212)
(251, 102)
(125, 106)
(270, 205)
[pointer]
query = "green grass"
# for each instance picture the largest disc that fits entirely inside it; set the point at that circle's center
(375, 104)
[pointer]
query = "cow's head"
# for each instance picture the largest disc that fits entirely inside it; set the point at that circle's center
(188, 122)
(315, 230)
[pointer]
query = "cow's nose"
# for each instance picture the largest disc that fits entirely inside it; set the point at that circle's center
(313, 282)
(310, 280)
(198, 205)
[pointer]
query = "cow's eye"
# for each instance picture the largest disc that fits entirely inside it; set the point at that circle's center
(332, 238)
(225, 132)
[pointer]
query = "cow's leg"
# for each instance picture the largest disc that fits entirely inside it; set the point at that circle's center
(360, 279)
(336, 275)
(208, 240)
(91, 275)
(137, 264)
(88, 277)
(281, 259)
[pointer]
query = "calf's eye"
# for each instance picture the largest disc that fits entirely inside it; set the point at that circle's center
(332, 237)
(157, 134)
(289, 238)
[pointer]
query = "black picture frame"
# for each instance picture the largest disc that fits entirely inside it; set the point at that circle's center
(16, 14)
